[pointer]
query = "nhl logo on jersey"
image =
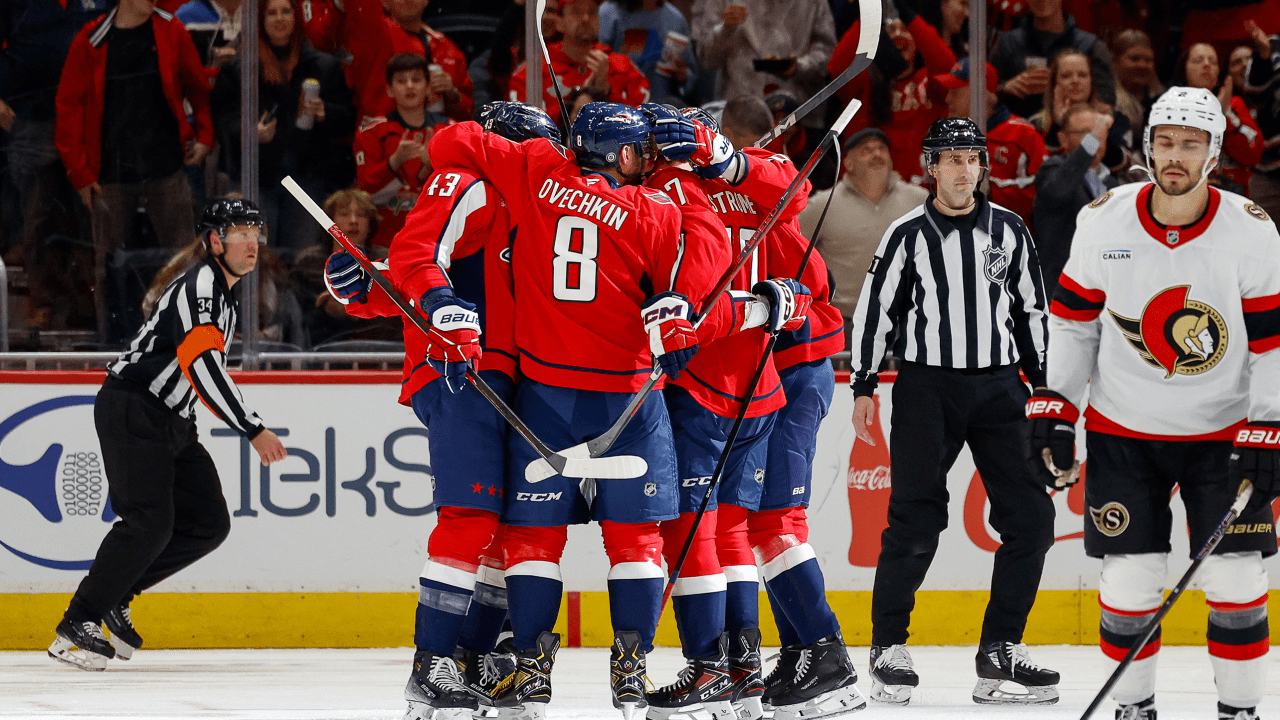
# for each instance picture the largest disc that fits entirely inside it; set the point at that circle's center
(650, 489)
(996, 264)
(759, 476)
(1171, 236)
(1111, 519)
(1176, 334)
(1255, 210)
(1101, 199)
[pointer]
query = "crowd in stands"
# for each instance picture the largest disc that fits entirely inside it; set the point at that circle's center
(120, 118)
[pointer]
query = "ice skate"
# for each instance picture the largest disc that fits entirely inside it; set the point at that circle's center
(744, 670)
(529, 691)
(704, 684)
(627, 673)
(436, 690)
(824, 686)
(124, 638)
(487, 674)
(1145, 710)
(1003, 663)
(82, 645)
(1226, 712)
(783, 672)
(892, 674)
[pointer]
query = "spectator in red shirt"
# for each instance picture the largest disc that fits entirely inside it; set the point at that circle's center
(1242, 142)
(373, 36)
(324, 25)
(124, 135)
(581, 60)
(391, 151)
(1014, 147)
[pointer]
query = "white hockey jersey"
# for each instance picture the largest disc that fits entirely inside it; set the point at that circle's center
(1175, 331)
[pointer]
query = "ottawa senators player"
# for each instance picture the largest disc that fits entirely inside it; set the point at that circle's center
(1169, 312)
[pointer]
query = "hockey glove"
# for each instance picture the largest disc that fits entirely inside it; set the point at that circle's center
(1051, 439)
(788, 303)
(672, 339)
(345, 279)
(1256, 458)
(454, 338)
(674, 134)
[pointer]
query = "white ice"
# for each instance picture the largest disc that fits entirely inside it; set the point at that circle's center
(359, 684)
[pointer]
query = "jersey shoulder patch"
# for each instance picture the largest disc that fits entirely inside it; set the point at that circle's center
(1098, 201)
(1256, 211)
(657, 196)
(372, 123)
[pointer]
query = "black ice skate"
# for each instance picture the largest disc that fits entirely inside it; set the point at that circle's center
(1226, 712)
(487, 674)
(627, 673)
(704, 683)
(85, 637)
(744, 670)
(436, 690)
(1000, 663)
(892, 674)
(824, 686)
(1145, 710)
(529, 691)
(783, 672)
(124, 638)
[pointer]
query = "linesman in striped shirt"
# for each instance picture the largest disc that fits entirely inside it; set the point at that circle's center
(163, 484)
(955, 292)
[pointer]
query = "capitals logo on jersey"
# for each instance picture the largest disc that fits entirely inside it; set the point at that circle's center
(1177, 334)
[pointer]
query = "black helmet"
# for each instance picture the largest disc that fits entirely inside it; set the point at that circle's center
(954, 133)
(226, 212)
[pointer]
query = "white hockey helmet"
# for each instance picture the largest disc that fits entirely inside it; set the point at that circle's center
(1190, 107)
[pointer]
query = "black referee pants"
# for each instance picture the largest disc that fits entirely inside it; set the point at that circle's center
(935, 412)
(164, 487)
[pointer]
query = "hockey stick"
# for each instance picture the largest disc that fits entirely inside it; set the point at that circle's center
(541, 8)
(868, 42)
(537, 471)
(621, 467)
(1237, 507)
(718, 473)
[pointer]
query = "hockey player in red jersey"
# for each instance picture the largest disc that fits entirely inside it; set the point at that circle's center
(1168, 313)
(391, 161)
(607, 272)
(452, 260)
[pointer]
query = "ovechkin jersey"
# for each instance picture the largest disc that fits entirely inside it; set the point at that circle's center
(586, 255)
(458, 234)
(1175, 330)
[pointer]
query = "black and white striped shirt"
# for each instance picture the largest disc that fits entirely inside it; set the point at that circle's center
(179, 352)
(951, 292)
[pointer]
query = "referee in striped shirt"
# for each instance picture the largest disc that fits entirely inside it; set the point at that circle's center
(162, 482)
(955, 292)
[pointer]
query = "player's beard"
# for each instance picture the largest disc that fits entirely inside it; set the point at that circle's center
(1183, 187)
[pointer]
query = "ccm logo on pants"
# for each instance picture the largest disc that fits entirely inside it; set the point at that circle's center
(537, 497)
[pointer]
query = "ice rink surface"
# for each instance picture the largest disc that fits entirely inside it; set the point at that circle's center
(360, 684)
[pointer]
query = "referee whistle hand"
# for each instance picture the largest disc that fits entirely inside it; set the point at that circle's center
(269, 447)
(864, 413)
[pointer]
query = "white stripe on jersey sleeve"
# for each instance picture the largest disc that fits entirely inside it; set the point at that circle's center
(474, 198)
(204, 290)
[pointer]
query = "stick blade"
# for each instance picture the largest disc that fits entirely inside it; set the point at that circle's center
(580, 464)
(540, 469)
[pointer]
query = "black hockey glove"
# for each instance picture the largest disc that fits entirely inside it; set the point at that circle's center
(1256, 458)
(1051, 439)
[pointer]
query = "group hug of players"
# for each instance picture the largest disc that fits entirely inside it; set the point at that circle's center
(566, 272)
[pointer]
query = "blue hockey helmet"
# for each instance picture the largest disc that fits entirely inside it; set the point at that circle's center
(601, 129)
(518, 121)
(702, 116)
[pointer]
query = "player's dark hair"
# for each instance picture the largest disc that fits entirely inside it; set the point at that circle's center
(405, 62)
(747, 114)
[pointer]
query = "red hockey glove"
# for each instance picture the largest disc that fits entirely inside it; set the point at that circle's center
(672, 339)
(454, 337)
(1051, 440)
(1256, 458)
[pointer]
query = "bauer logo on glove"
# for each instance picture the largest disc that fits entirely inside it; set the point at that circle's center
(454, 338)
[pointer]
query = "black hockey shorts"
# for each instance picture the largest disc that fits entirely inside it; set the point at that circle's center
(1128, 488)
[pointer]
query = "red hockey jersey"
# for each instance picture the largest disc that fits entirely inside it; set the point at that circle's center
(393, 191)
(459, 235)
(627, 85)
(323, 24)
(373, 38)
(823, 332)
(1017, 150)
(586, 256)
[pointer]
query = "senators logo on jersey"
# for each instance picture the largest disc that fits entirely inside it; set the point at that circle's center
(1176, 334)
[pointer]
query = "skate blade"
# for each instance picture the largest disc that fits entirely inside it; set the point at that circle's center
(528, 711)
(750, 708)
(65, 651)
(717, 710)
(629, 710)
(891, 694)
(419, 711)
(484, 712)
(841, 701)
(124, 650)
(1008, 692)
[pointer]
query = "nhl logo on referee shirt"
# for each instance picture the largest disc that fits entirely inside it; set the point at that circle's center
(995, 264)
(1111, 519)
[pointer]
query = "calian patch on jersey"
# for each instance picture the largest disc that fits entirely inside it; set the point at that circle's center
(1176, 334)
(1117, 254)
